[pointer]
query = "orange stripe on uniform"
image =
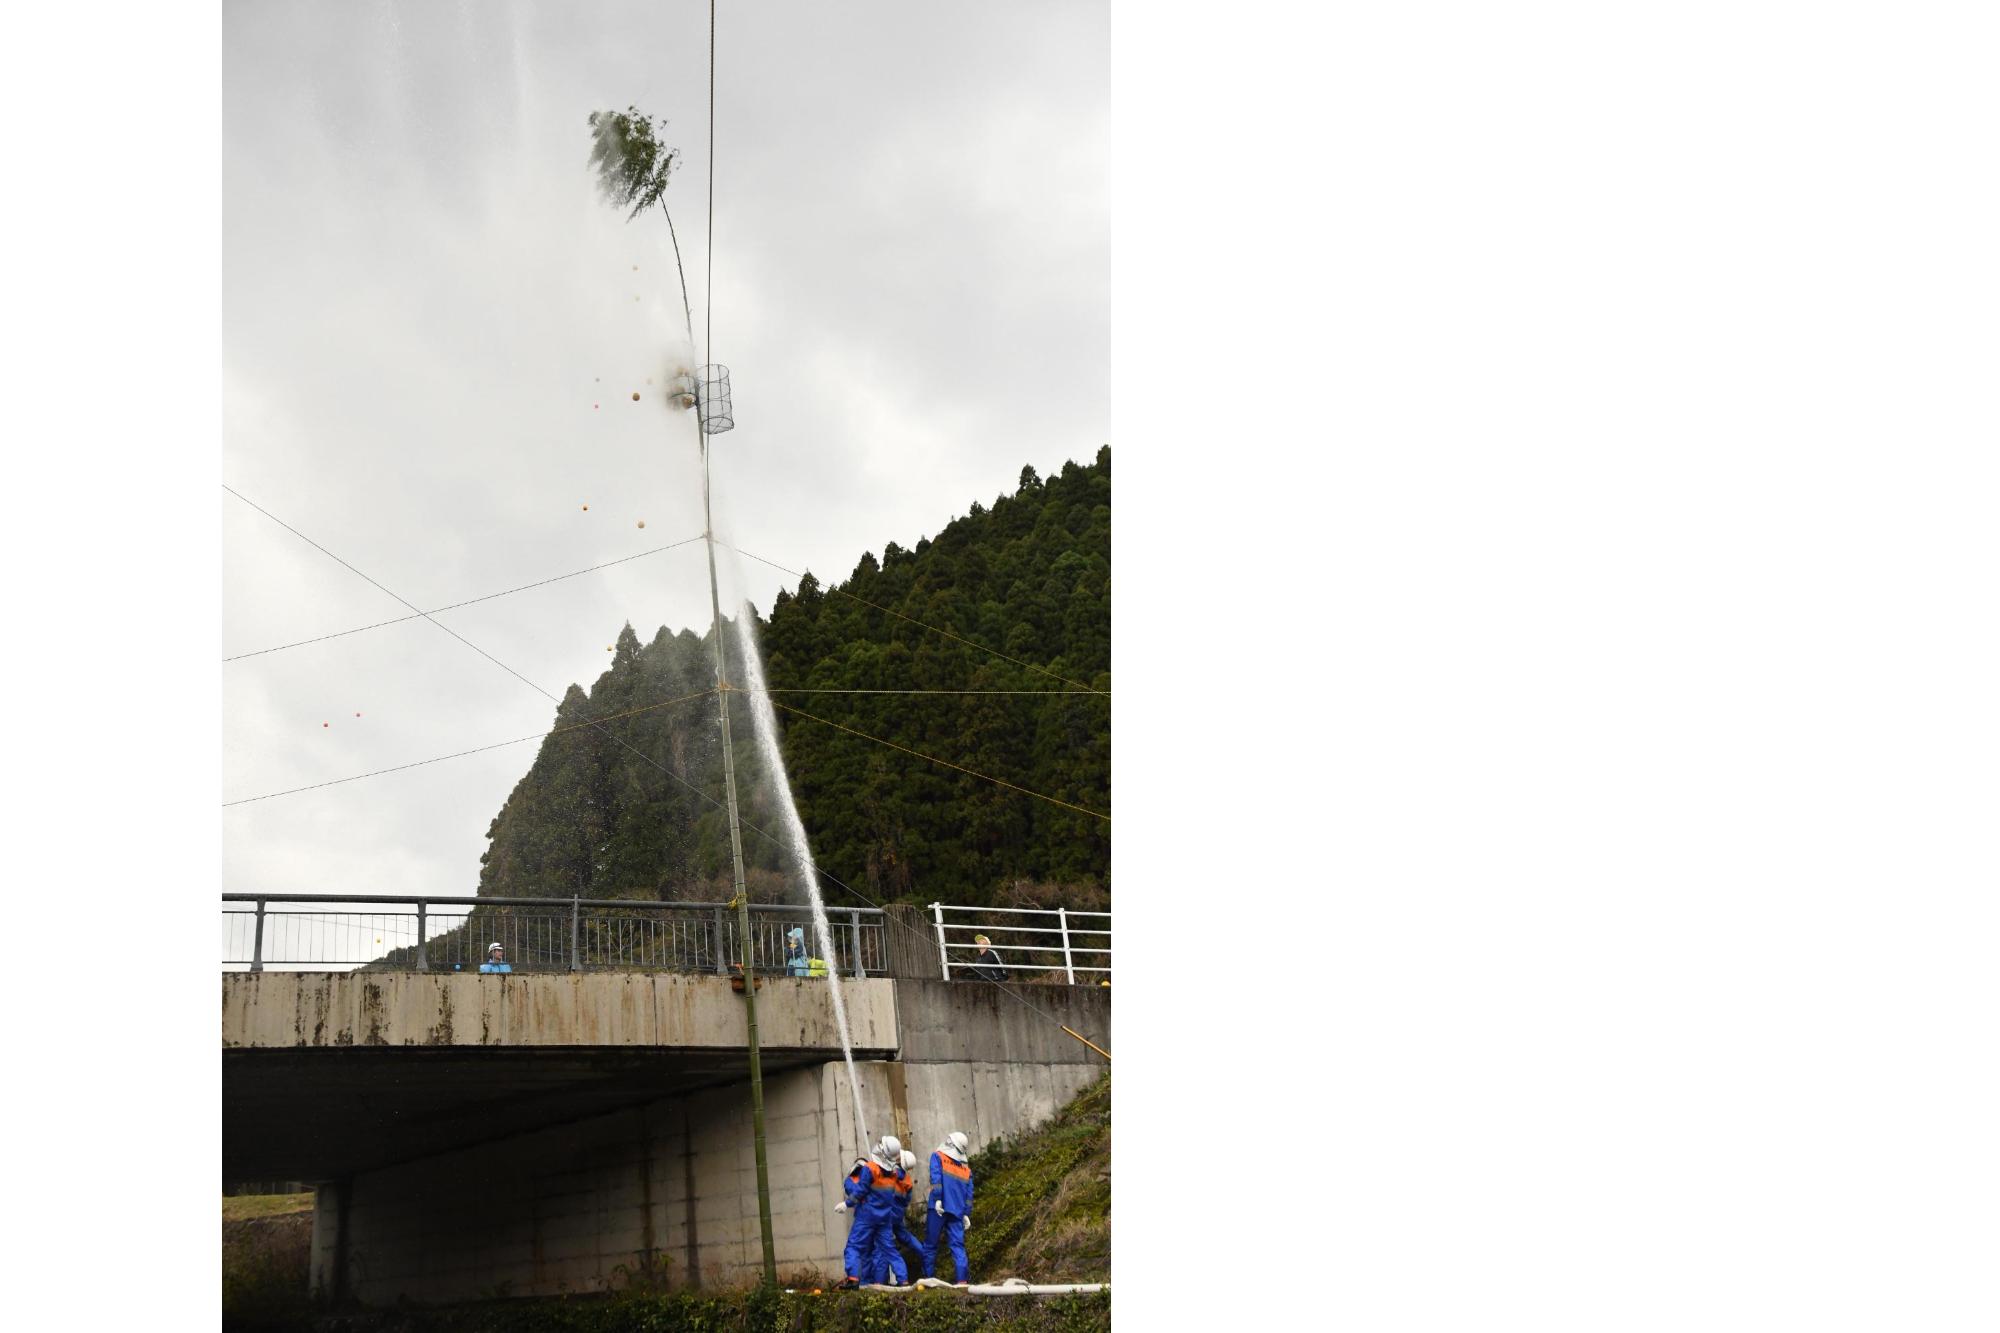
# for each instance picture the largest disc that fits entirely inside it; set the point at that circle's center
(955, 1169)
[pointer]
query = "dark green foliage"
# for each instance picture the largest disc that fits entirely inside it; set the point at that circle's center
(1041, 1204)
(266, 1263)
(594, 818)
(631, 163)
(764, 1311)
(1030, 577)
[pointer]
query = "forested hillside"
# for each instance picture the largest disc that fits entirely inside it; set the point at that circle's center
(1012, 597)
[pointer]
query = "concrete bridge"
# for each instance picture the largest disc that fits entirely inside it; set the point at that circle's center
(547, 1132)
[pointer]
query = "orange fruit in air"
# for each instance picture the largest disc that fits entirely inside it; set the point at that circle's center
(635, 395)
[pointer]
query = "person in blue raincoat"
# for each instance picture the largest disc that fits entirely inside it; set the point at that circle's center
(872, 1196)
(889, 1262)
(496, 959)
(951, 1204)
(796, 962)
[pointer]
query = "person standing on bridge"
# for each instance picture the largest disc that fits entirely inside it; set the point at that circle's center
(951, 1204)
(496, 959)
(986, 964)
(872, 1196)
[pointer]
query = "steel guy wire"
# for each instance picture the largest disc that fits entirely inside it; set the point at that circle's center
(945, 762)
(709, 334)
(887, 915)
(802, 690)
(554, 731)
(619, 740)
(1081, 688)
(745, 823)
(468, 602)
(709, 295)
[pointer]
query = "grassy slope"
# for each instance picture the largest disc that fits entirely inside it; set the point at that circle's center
(266, 1252)
(1042, 1200)
(237, 1207)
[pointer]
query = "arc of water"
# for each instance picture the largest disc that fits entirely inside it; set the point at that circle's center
(766, 726)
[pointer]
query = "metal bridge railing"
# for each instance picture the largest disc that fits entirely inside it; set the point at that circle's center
(299, 932)
(1036, 944)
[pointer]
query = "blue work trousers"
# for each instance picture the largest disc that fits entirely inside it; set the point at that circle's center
(889, 1254)
(950, 1228)
(866, 1238)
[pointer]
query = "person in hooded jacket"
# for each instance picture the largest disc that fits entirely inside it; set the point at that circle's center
(951, 1204)
(871, 1195)
(795, 953)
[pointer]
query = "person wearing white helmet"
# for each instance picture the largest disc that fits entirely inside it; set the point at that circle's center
(871, 1194)
(496, 959)
(951, 1204)
(889, 1266)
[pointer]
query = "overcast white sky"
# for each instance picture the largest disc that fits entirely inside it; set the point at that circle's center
(431, 340)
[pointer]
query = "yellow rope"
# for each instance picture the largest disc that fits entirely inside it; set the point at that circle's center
(1086, 1041)
(987, 777)
(632, 712)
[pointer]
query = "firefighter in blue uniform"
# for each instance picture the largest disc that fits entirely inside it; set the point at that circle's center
(889, 1256)
(951, 1204)
(872, 1196)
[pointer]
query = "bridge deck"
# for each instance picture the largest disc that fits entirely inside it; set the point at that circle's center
(329, 1073)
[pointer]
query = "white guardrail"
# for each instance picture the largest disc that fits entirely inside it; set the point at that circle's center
(1024, 939)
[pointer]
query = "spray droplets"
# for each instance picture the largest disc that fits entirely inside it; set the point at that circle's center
(764, 723)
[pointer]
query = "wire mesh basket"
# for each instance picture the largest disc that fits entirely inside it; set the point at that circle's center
(711, 386)
(681, 389)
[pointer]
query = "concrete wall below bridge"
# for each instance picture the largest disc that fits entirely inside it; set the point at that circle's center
(669, 1183)
(669, 1186)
